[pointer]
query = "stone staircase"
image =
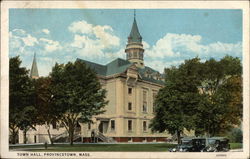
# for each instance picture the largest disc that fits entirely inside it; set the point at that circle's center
(63, 137)
(77, 136)
(103, 138)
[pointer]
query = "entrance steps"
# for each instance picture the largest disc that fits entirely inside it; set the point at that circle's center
(103, 138)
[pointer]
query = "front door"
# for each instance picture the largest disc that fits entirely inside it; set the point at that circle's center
(103, 126)
(100, 127)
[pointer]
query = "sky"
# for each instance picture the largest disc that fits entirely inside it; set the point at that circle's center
(169, 36)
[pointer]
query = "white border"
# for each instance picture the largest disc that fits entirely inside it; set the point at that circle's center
(5, 5)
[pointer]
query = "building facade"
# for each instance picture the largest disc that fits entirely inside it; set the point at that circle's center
(131, 88)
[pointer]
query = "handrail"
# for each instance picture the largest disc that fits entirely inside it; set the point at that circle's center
(56, 137)
(104, 138)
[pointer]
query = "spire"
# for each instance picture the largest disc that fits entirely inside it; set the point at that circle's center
(134, 35)
(34, 70)
(134, 48)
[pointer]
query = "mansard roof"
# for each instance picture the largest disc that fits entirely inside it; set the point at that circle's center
(119, 65)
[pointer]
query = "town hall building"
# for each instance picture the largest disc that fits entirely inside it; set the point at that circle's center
(131, 90)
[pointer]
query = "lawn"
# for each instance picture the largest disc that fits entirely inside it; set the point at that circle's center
(235, 145)
(152, 147)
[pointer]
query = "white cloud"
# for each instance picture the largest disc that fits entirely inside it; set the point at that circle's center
(81, 27)
(100, 44)
(160, 64)
(82, 41)
(46, 31)
(145, 45)
(185, 45)
(106, 39)
(87, 47)
(220, 49)
(173, 49)
(113, 55)
(90, 40)
(14, 42)
(50, 45)
(20, 42)
(29, 40)
(19, 32)
(173, 45)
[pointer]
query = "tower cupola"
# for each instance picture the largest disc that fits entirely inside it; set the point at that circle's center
(134, 48)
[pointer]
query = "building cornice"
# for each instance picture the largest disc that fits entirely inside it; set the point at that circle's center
(123, 75)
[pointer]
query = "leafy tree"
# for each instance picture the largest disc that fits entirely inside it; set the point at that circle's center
(21, 104)
(221, 105)
(175, 102)
(44, 100)
(77, 93)
(235, 135)
(205, 97)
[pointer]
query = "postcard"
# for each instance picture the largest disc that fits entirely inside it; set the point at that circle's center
(125, 79)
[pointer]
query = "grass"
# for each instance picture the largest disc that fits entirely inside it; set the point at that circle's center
(157, 147)
(152, 147)
(235, 145)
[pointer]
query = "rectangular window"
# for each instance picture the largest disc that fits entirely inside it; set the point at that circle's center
(154, 96)
(129, 125)
(135, 54)
(129, 90)
(144, 126)
(89, 126)
(129, 106)
(144, 96)
(54, 125)
(112, 125)
(144, 107)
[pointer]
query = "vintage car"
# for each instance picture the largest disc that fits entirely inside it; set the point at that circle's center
(195, 144)
(217, 144)
(185, 146)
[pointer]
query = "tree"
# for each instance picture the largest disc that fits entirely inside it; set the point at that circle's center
(235, 135)
(47, 112)
(77, 93)
(221, 105)
(175, 102)
(21, 104)
(205, 97)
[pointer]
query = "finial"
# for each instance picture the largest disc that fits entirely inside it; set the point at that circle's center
(134, 13)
